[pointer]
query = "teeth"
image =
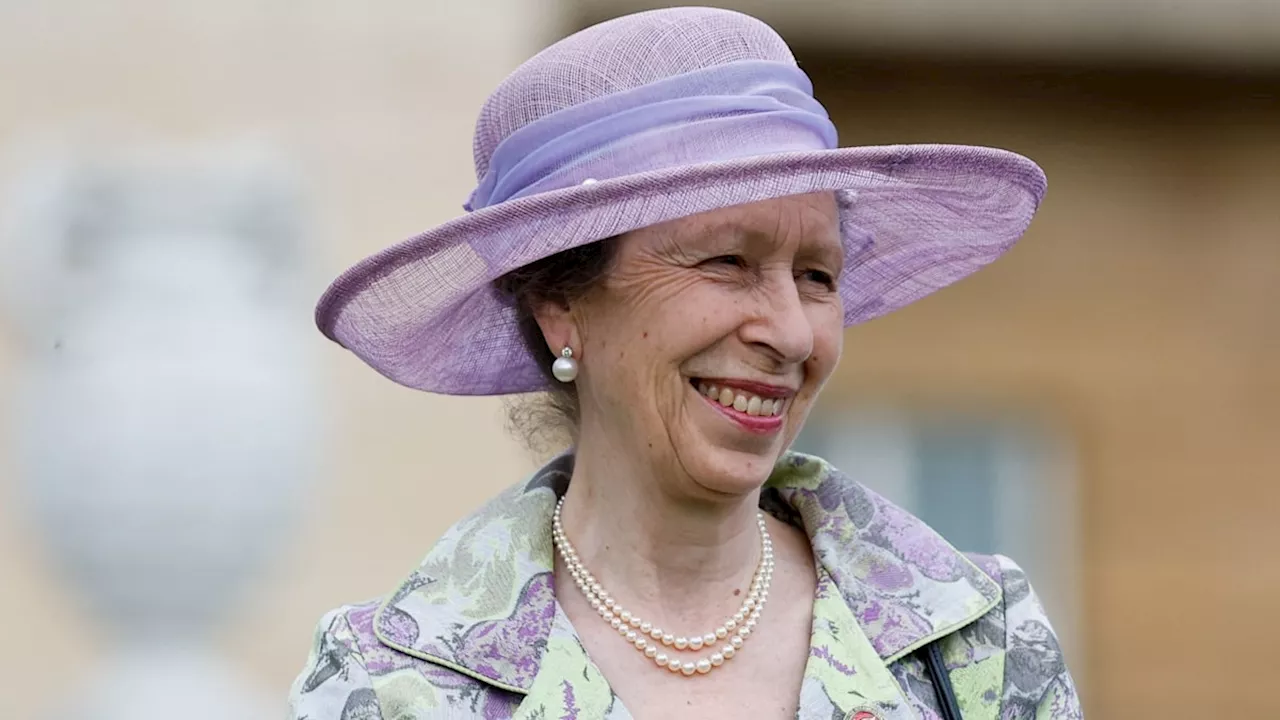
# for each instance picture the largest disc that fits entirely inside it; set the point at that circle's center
(744, 403)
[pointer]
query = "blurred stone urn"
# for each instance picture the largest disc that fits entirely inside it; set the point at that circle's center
(166, 407)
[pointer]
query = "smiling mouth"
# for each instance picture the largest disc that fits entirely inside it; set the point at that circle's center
(743, 401)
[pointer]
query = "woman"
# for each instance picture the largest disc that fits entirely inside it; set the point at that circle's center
(665, 236)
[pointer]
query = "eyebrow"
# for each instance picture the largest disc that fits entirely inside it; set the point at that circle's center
(834, 255)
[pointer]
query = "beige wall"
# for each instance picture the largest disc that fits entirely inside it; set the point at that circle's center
(1229, 32)
(1139, 313)
(376, 104)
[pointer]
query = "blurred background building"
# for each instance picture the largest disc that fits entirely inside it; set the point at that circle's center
(1108, 395)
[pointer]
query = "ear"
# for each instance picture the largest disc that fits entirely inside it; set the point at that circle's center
(559, 327)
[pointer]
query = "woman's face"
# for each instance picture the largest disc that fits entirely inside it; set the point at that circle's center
(704, 348)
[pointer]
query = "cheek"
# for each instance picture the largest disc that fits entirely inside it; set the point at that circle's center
(690, 325)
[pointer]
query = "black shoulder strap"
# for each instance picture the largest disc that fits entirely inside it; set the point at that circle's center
(931, 655)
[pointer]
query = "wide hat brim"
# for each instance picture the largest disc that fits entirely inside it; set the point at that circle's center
(916, 218)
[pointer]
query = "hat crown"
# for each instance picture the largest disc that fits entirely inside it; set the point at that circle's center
(618, 55)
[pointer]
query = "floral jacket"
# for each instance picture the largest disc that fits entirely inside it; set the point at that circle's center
(476, 631)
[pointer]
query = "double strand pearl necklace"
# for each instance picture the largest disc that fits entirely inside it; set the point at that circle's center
(658, 645)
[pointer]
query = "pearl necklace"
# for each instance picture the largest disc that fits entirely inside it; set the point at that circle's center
(657, 644)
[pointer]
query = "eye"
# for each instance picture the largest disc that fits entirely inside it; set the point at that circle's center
(822, 278)
(730, 260)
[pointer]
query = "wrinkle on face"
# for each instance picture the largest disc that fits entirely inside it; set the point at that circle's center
(676, 307)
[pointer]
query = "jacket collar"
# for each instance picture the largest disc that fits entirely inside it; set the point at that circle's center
(483, 603)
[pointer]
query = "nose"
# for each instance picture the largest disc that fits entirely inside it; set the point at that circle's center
(779, 323)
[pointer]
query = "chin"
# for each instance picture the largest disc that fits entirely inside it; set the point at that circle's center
(725, 471)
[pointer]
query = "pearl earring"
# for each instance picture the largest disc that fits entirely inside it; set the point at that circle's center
(565, 368)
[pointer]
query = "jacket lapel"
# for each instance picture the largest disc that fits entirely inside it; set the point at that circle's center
(483, 602)
(905, 584)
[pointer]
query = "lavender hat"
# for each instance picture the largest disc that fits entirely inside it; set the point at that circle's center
(643, 119)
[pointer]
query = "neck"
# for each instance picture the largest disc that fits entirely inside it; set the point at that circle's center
(677, 558)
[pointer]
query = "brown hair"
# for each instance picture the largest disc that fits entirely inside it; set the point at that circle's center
(561, 279)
